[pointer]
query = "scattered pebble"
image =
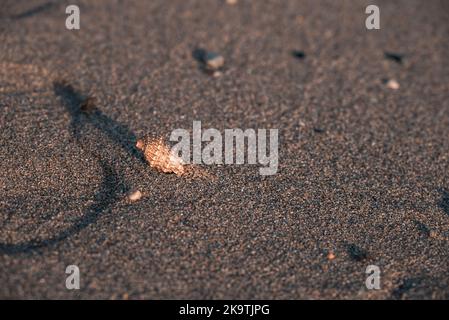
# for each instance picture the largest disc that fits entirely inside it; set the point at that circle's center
(394, 56)
(331, 256)
(136, 195)
(392, 84)
(298, 54)
(231, 1)
(318, 130)
(216, 74)
(213, 61)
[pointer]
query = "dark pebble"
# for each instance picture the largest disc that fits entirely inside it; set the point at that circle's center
(298, 54)
(394, 56)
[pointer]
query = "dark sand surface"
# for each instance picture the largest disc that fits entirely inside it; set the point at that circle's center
(363, 170)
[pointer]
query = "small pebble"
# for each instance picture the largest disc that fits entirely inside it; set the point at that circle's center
(231, 1)
(298, 54)
(394, 56)
(393, 84)
(331, 256)
(214, 61)
(136, 195)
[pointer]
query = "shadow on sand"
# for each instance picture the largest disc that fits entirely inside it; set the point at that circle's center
(82, 110)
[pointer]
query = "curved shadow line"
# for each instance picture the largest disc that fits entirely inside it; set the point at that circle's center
(75, 103)
(106, 196)
(108, 193)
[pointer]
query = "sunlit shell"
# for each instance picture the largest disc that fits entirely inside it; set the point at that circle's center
(159, 156)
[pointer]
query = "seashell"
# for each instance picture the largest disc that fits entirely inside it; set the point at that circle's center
(159, 155)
